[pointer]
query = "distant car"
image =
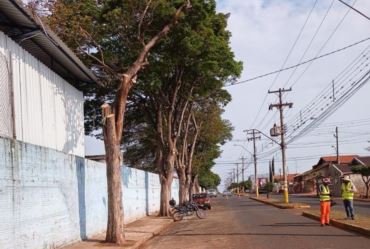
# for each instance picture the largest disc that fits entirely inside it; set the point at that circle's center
(212, 192)
(226, 193)
(203, 200)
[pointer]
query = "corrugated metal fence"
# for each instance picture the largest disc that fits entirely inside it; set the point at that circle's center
(6, 121)
(48, 111)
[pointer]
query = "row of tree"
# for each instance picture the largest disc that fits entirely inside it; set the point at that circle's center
(162, 66)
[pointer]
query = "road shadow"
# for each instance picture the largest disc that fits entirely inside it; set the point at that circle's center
(259, 234)
(311, 224)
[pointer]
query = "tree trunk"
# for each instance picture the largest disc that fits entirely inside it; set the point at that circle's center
(183, 190)
(196, 187)
(166, 184)
(114, 232)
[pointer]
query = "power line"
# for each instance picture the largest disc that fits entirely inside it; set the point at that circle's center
(284, 63)
(324, 45)
(299, 64)
(362, 14)
(311, 41)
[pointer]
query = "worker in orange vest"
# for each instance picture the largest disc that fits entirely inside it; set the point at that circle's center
(324, 192)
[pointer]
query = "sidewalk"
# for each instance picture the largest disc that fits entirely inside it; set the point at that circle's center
(360, 225)
(137, 233)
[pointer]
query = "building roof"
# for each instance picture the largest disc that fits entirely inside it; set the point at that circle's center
(289, 176)
(36, 38)
(344, 168)
(364, 160)
(344, 159)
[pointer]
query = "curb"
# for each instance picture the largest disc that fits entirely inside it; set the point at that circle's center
(338, 224)
(142, 242)
(289, 206)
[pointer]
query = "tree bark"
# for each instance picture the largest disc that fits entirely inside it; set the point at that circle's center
(183, 190)
(114, 232)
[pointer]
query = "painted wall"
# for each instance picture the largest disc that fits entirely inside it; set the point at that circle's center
(50, 199)
(47, 110)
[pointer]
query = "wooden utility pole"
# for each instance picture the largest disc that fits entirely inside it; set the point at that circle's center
(253, 133)
(280, 106)
(337, 142)
(242, 168)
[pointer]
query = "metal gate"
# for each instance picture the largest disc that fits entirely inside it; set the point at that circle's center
(6, 108)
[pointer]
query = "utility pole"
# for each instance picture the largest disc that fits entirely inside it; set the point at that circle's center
(242, 168)
(237, 172)
(253, 133)
(280, 106)
(337, 141)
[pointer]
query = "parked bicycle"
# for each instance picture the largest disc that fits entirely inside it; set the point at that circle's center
(186, 209)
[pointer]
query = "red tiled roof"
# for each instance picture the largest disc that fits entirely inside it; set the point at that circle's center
(344, 168)
(365, 160)
(343, 159)
(289, 176)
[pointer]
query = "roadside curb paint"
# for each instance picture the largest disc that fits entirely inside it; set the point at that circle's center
(339, 224)
(281, 206)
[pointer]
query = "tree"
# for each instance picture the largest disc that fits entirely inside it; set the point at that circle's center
(246, 184)
(188, 76)
(269, 187)
(209, 180)
(114, 38)
(364, 171)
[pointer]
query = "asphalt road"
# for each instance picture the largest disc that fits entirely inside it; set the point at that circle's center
(241, 223)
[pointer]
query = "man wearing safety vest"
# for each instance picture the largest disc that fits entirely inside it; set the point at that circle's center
(348, 189)
(324, 192)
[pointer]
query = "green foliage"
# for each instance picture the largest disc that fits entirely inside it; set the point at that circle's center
(246, 184)
(197, 52)
(209, 180)
(233, 185)
(269, 187)
(360, 169)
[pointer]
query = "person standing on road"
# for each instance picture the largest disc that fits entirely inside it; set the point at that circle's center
(324, 192)
(348, 189)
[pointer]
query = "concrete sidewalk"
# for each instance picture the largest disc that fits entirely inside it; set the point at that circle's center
(137, 233)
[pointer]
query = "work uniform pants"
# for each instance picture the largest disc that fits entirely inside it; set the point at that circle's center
(325, 211)
(348, 206)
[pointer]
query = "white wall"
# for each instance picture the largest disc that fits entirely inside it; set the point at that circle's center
(48, 110)
(48, 198)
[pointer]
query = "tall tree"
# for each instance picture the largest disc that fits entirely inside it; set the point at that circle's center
(114, 37)
(187, 70)
(364, 171)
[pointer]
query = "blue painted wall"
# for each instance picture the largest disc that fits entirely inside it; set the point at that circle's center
(49, 199)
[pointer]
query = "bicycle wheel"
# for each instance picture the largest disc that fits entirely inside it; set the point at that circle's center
(177, 216)
(201, 214)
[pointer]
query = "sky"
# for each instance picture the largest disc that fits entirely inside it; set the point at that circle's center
(263, 34)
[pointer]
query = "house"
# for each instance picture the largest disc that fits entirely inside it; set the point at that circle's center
(40, 84)
(356, 178)
(327, 166)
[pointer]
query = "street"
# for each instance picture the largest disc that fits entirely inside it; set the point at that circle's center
(238, 222)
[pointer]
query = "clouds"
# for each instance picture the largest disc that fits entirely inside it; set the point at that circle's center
(263, 32)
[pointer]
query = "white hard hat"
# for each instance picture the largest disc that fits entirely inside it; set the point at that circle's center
(346, 178)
